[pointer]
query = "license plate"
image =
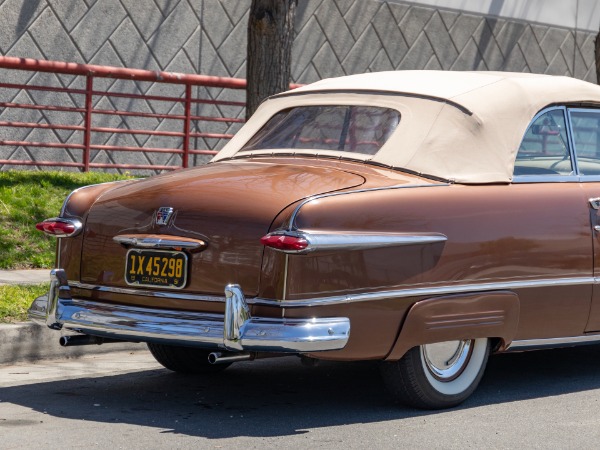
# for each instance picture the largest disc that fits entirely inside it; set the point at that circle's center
(156, 268)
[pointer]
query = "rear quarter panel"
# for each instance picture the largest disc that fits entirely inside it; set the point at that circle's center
(496, 234)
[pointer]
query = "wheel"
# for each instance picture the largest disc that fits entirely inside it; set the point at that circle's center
(436, 376)
(184, 359)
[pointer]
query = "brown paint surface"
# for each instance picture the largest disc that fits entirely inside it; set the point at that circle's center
(496, 234)
(470, 316)
(229, 205)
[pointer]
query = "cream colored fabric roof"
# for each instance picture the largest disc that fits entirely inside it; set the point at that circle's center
(460, 126)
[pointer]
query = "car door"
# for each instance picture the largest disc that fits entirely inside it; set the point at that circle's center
(545, 165)
(585, 134)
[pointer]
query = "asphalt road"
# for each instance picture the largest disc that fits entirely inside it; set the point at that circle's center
(548, 399)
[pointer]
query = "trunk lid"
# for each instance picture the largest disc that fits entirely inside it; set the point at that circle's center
(230, 205)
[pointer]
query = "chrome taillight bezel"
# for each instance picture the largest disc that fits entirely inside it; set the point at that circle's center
(75, 223)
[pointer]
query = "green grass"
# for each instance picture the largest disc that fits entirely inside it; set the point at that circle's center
(28, 197)
(15, 300)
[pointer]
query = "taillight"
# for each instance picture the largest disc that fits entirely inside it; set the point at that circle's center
(284, 242)
(60, 227)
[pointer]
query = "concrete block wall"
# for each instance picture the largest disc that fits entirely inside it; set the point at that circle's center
(350, 36)
(333, 38)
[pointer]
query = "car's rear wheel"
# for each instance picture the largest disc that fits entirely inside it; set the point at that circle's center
(436, 376)
(184, 359)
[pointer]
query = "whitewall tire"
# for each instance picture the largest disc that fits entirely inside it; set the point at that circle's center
(436, 376)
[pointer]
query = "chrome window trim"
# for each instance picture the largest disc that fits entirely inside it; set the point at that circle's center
(582, 177)
(589, 178)
(354, 298)
(571, 140)
(577, 177)
(573, 177)
(524, 179)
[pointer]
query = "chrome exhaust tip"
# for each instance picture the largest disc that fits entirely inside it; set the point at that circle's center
(223, 358)
(84, 339)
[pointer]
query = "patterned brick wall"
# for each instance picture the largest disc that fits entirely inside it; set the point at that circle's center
(334, 37)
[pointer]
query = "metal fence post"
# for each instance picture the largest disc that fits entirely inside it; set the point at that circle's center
(89, 84)
(186, 126)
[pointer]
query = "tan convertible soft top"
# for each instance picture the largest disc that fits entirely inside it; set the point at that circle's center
(460, 126)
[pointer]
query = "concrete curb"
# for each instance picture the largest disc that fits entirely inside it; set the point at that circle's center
(30, 342)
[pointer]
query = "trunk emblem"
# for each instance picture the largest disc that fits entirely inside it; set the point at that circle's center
(163, 215)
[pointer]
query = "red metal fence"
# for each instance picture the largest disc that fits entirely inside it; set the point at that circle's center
(83, 106)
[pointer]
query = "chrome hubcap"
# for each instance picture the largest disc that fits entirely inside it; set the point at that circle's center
(447, 360)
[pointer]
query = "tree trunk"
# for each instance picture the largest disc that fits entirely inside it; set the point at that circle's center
(598, 58)
(270, 38)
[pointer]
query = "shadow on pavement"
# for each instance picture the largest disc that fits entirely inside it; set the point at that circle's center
(280, 397)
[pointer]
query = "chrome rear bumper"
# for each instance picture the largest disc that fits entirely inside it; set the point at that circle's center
(237, 330)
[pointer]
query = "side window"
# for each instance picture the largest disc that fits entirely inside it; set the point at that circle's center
(586, 139)
(544, 149)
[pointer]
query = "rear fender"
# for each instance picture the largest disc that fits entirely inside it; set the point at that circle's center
(464, 316)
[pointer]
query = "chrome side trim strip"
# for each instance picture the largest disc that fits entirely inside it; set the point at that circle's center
(430, 291)
(333, 241)
(351, 298)
(530, 344)
(285, 277)
(58, 252)
(292, 220)
(324, 241)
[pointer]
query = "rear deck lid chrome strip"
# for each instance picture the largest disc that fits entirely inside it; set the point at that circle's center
(159, 241)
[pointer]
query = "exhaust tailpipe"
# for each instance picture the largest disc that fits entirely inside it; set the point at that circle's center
(223, 358)
(85, 339)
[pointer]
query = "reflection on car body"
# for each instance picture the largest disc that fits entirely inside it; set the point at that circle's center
(422, 219)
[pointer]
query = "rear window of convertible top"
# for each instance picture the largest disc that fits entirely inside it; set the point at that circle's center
(358, 129)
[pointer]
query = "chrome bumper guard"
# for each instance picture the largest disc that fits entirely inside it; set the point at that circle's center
(237, 330)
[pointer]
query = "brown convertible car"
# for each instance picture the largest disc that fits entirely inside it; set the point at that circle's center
(422, 219)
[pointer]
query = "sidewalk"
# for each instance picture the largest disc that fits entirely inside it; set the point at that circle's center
(34, 276)
(30, 342)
